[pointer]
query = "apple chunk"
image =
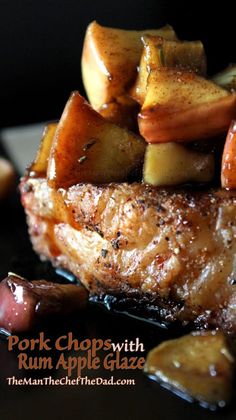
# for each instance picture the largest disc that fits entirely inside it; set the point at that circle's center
(159, 52)
(182, 106)
(87, 148)
(123, 112)
(7, 177)
(173, 164)
(228, 168)
(110, 58)
(39, 165)
(199, 365)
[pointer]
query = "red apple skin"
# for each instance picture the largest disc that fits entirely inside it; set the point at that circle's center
(228, 168)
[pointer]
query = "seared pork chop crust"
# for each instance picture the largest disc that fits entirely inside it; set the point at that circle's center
(173, 249)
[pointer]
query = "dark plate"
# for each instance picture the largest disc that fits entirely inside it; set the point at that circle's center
(144, 400)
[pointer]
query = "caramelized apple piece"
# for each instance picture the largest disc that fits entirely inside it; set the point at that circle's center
(226, 78)
(110, 58)
(87, 148)
(159, 52)
(173, 164)
(123, 112)
(199, 365)
(24, 304)
(7, 177)
(182, 106)
(228, 168)
(40, 163)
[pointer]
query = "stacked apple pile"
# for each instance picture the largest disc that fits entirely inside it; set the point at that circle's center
(150, 100)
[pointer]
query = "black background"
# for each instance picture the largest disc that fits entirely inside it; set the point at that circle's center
(41, 42)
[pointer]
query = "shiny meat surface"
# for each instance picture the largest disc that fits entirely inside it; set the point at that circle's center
(175, 250)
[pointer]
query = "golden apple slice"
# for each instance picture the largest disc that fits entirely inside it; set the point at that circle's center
(199, 365)
(87, 148)
(182, 106)
(110, 58)
(228, 168)
(172, 164)
(39, 165)
(159, 52)
(226, 78)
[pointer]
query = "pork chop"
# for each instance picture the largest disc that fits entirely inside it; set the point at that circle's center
(172, 249)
